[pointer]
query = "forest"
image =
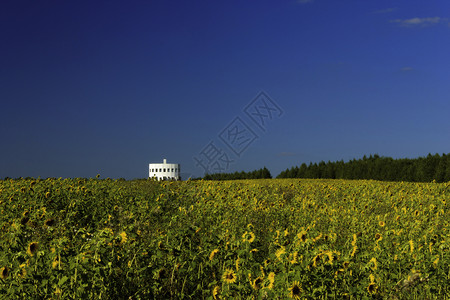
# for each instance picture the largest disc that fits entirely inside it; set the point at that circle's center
(423, 169)
(263, 173)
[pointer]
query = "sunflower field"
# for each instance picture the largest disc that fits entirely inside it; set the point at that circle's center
(247, 239)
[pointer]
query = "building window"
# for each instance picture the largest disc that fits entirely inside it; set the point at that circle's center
(160, 169)
(164, 170)
(172, 169)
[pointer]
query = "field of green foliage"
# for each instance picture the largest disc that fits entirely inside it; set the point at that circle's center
(249, 239)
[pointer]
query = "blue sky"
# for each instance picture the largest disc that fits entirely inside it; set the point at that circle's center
(107, 87)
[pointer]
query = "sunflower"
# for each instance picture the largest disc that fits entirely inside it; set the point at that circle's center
(345, 264)
(4, 272)
(316, 259)
(57, 291)
(271, 278)
(435, 262)
(24, 220)
(378, 237)
(248, 237)
(411, 245)
(372, 288)
(374, 262)
(411, 281)
(354, 240)
(354, 246)
(295, 290)
(23, 271)
(317, 238)
(293, 257)
(338, 272)
(55, 263)
(302, 236)
(329, 254)
(280, 252)
(216, 292)
(108, 230)
(256, 284)
(213, 253)
(382, 224)
(123, 237)
(161, 273)
(44, 211)
(262, 272)
(49, 222)
(161, 245)
(229, 276)
(32, 248)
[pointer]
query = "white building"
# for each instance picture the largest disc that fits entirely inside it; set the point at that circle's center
(164, 171)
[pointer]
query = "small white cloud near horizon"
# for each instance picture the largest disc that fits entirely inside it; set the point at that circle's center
(417, 21)
(385, 11)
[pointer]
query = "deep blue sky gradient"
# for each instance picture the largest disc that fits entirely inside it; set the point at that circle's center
(107, 87)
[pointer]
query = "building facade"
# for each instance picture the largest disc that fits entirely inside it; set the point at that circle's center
(164, 171)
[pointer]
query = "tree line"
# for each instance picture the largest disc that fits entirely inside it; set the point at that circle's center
(257, 174)
(423, 169)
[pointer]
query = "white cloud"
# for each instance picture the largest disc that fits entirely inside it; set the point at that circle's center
(385, 11)
(418, 21)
